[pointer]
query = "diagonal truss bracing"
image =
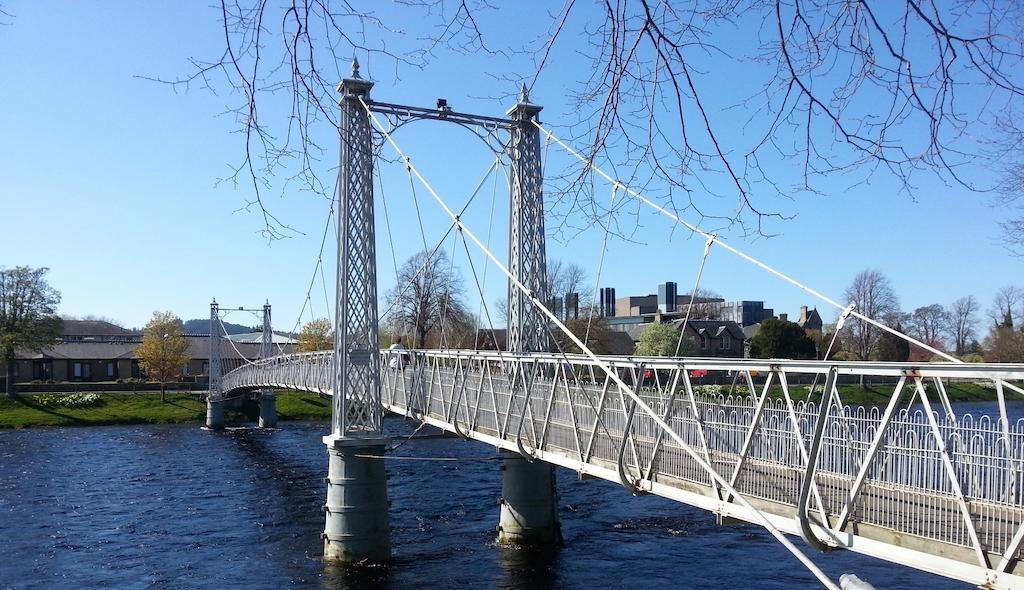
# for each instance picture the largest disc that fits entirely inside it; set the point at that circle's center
(916, 486)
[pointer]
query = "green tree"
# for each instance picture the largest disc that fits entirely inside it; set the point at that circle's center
(891, 347)
(782, 340)
(28, 315)
(1004, 345)
(597, 340)
(658, 340)
(315, 335)
(164, 350)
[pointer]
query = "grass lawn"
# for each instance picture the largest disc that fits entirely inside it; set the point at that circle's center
(297, 405)
(145, 408)
(878, 394)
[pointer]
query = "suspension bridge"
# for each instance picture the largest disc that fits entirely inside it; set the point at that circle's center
(910, 482)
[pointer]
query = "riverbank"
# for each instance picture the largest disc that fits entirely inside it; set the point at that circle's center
(96, 409)
(879, 394)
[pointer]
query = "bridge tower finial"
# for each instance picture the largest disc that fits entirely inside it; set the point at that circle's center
(355, 67)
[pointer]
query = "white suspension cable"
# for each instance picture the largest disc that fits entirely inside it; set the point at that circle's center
(391, 242)
(695, 229)
(693, 293)
(423, 236)
(600, 260)
(490, 227)
(307, 302)
(328, 308)
(433, 251)
(625, 389)
(227, 337)
(835, 336)
(487, 312)
(839, 326)
(446, 301)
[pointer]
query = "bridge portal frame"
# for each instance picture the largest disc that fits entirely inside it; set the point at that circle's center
(215, 397)
(528, 512)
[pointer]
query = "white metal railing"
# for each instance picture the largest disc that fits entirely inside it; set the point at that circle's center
(878, 476)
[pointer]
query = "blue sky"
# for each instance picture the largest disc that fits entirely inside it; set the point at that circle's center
(111, 181)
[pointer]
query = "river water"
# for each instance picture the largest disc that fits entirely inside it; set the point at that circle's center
(179, 507)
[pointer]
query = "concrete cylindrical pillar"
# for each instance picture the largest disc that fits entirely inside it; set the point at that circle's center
(215, 414)
(268, 410)
(529, 506)
(358, 526)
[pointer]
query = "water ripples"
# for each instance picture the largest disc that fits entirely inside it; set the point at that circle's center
(175, 507)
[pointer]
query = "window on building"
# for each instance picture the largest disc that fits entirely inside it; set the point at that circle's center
(77, 372)
(703, 342)
(724, 343)
(42, 370)
(111, 370)
(206, 368)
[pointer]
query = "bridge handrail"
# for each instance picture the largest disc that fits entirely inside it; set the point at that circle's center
(963, 465)
(1004, 371)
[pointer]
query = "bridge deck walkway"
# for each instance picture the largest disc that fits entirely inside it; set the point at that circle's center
(938, 493)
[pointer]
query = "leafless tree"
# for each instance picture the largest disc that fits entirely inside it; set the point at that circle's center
(929, 324)
(568, 277)
(874, 297)
(845, 90)
(706, 304)
(427, 301)
(291, 56)
(1004, 306)
(563, 277)
(839, 84)
(962, 321)
(1009, 196)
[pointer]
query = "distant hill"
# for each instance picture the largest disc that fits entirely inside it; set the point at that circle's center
(202, 326)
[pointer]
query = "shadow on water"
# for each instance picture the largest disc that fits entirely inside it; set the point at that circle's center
(279, 471)
(526, 568)
(342, 577)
